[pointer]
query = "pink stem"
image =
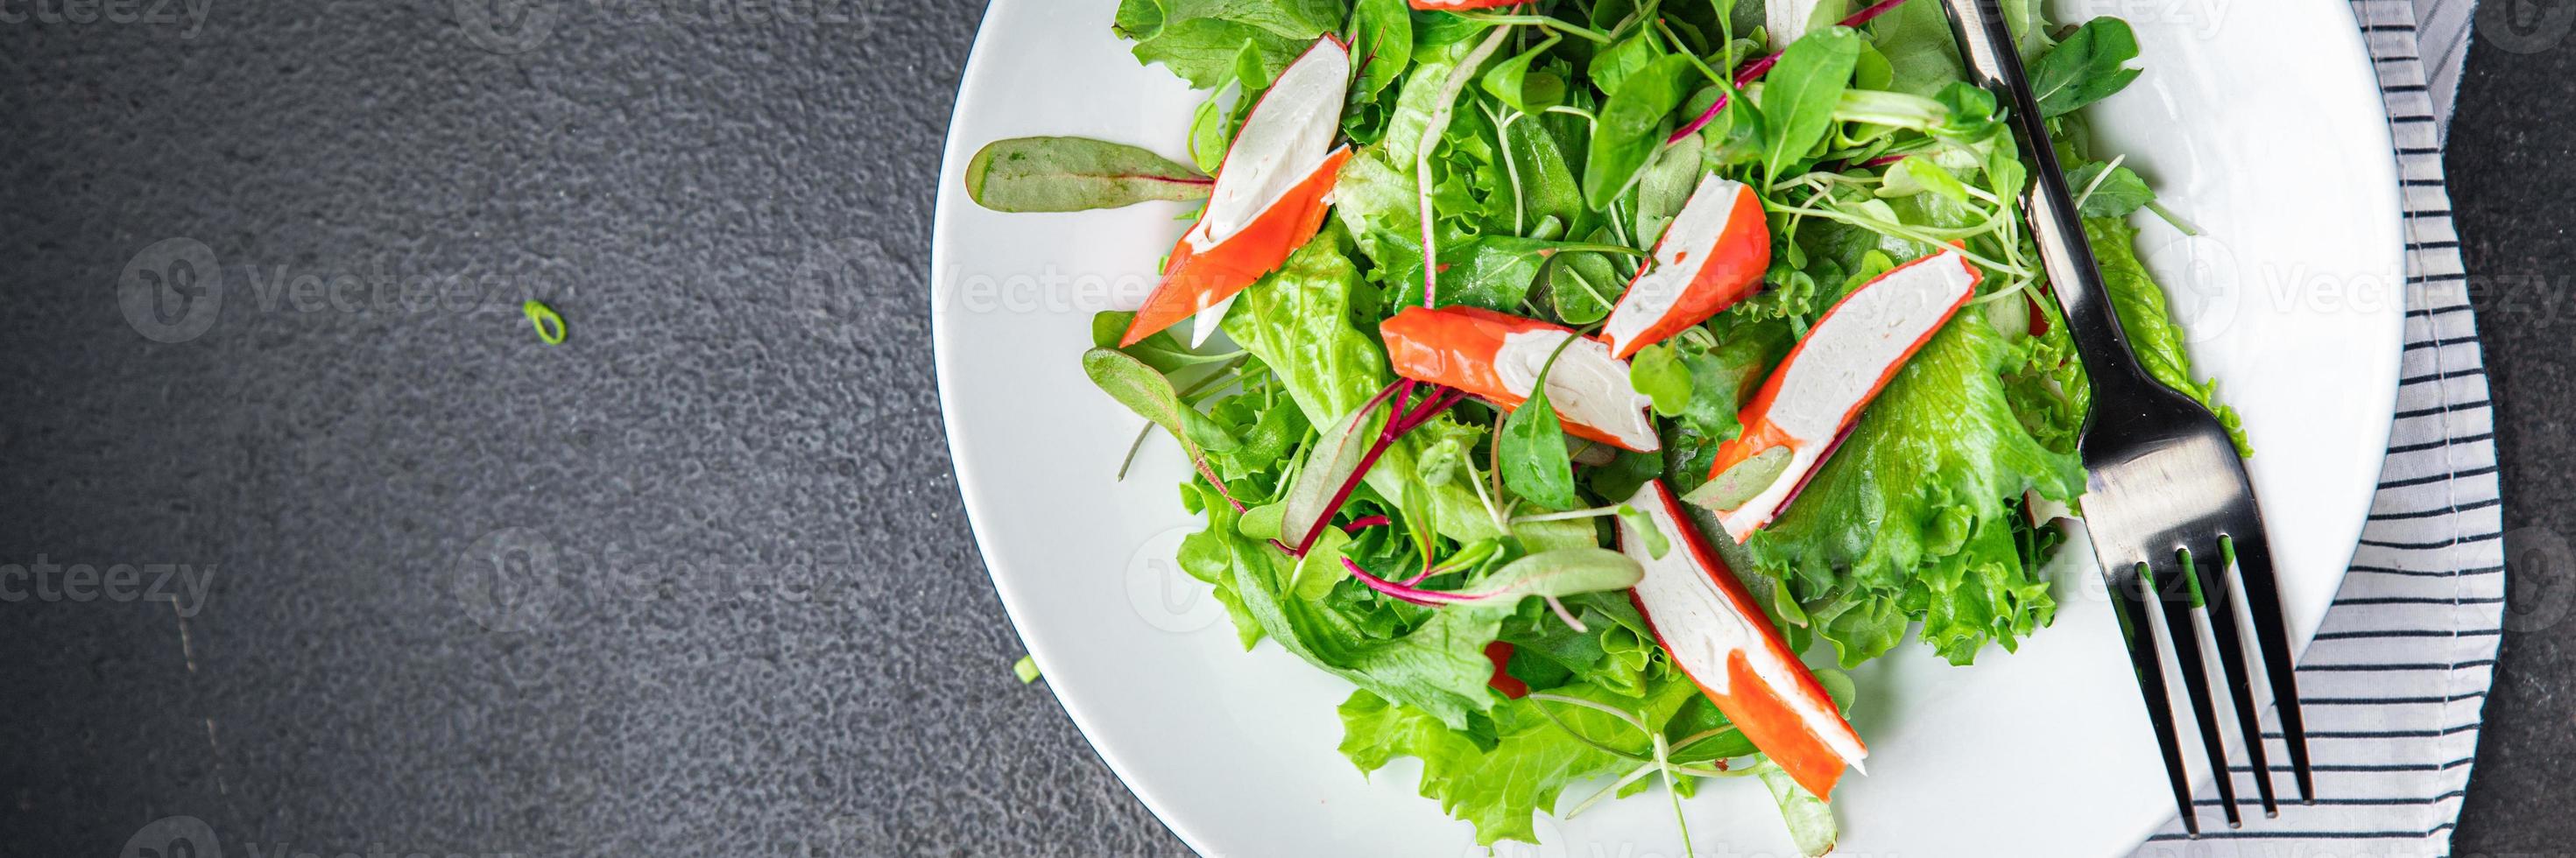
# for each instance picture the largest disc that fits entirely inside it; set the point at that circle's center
(1432, 405)
(1366, 522)
(1405, 592)
(1754, 70)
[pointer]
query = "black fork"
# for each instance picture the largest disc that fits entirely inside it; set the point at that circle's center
(2168, 504)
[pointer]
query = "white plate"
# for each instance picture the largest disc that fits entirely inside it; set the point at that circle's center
(2260, 121)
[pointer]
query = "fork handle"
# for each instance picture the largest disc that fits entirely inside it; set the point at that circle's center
(1986, 43)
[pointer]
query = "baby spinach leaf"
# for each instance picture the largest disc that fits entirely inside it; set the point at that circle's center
(2089, 66)
(1514, 84)
(1070, 174)
(1798, 100)
(1632, 126)
(1657, 372)
(1534, 461)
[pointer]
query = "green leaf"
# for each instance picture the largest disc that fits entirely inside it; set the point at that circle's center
(2089, 66)
(1810, 820)
(1298, 322)
(2107, 191)
(1534, 462)
(2146, 316)
(1512, 82)
(1501, 778)
(1382, 39)
(1026, 669)
(1632, 126)
(1162, 351)
(1559, 573)
(1611, 67)
(1666, 187)
(1644, 526)
(1915, 515)
(1799, 96)
(1657, 372)
(1066, 174)
(1150, 395)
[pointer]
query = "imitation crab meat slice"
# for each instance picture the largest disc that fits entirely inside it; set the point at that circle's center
(1719, 635)
(1270, 196)
(1498, 357)
(1712, 256)
(1803, 411)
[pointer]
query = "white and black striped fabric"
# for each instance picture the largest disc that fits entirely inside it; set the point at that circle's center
(2396, 681)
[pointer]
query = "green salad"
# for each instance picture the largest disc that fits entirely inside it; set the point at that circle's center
(1586, 363)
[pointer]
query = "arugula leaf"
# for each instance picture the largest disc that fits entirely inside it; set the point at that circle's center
(1632, 127)
(1070, 174)
(2089, 66)
(1798, 98)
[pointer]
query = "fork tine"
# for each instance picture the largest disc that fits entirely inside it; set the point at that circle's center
(2252, 558)
(2212, 579)
(2129, 604)
(2179, 593)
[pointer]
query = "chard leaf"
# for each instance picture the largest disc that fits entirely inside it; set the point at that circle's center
(2089, 66)
(1068, 174)
(1560, 573)
(1150, 395)
(1382, 39)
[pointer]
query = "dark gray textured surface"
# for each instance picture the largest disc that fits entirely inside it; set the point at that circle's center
(763, 630)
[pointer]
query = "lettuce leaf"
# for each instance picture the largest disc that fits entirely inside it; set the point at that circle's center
(1437, 667)
(2146, 316)
(1200, 40)
(1915, 516)
(1498, 779)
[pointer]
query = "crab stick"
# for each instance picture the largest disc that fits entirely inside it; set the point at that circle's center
(1269, 198)
(1713, 255)
(1498, 357)
(1802, 412)
(1719, 636)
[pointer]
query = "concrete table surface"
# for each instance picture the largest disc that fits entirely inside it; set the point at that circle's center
(771, 635)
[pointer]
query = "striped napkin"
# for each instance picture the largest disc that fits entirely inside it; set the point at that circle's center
(2396, 680)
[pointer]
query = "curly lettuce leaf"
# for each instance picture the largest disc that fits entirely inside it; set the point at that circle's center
(1914, 516)
(1201, 40)
(2146, 316)
(1498, 780)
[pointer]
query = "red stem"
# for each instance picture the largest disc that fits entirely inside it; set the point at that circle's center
(1397, 426)
(1754, 70)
